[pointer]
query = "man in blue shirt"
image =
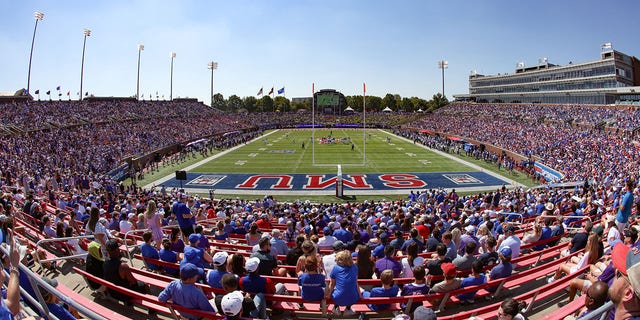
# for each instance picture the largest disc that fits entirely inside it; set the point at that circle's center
(183, 292)
(388, 289)
(622, 218)
(414, 238)
(477, 277)
(503, 269)
(185, 219)
(214, 277)
(343, 234)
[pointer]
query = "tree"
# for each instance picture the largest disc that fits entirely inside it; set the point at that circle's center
(389, 101)
(354, 102)
(374, 103)
(406, 105)
(250, 103)
(234, 103)
(282, 103)
(266, 104)
(438, 101)
(218, 102)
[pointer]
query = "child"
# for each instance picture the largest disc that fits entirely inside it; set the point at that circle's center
(387, 290)
(417, 287)
(477, 277)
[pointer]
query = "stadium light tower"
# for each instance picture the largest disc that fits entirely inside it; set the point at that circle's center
(39, 16)
(212, 65)
(443, 65)
(87, 33)
(140, 48)
(173, 55)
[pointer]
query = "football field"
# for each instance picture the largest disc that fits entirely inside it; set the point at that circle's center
(304, 161)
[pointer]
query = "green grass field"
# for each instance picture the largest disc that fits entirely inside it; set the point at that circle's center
(282, 152)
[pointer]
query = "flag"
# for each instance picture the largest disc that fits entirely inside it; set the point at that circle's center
(606, 46)
(271, 91)
(69, 93)
(86, 93)
(259, 92)
(364, 87)
(49, 92)
(58, 88)
(37, 91)
(281, 91)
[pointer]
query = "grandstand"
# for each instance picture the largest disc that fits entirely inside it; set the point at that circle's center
(615, 78)
(62, 153)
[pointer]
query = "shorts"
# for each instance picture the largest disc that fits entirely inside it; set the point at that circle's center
(186, 232)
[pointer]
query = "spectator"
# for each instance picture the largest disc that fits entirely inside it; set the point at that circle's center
(388, 289)
(232, 304)
(378, 251)
(452, 251)
(365, 264)
(343, 234)
(464, 263)
(411, 261)
(398, 241)
(579, 240)
(329, 260)
(311, 283)
(56, 308)
(343, 286)
(417, 287)
(510, 309)
(230, 284)
(183, 291)
(388, 262)
(477, 277)
(327, 240)
(149, 251)
(118, 273)
(624, 211)
(545, 234)
(413, 238)
(177, 244)
(214, 276)
(168, 255)
(590, 256)
(596, 297)
(258, 286)
(503, 269)
(185, 218)
(254, 236)
(154, 222)
(511, 240)
(278, 246)
(10, 306)
(268, 262)
(490, 257)
(294, 254)
(193, 254)
(450, 282)
(434, 265)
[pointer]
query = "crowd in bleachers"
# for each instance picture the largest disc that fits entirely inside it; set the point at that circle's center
(434, 242)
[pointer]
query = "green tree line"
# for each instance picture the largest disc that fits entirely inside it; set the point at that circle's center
(267, 104)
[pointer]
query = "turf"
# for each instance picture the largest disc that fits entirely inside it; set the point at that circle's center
(282, 152)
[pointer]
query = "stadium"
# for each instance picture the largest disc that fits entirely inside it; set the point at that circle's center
(517, 200)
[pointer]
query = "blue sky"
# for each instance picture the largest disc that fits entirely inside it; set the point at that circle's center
(393, 46)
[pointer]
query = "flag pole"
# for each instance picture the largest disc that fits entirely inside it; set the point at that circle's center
(364, 123)
(313, 124)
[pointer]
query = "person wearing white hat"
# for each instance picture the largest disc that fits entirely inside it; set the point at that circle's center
(232, 305)
(256, 284)
(214, 277)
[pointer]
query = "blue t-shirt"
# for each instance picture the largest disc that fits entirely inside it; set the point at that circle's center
(193, 255)
(378, 251)
(468, 282)
(180, 208)
(343, 235)
(5, 313)
(214, 278)
(169, 256)
(627, 202)
(312, 286)
(149, 251)
(345, 292)
(186, 295)
(60, 312)
(380, 292)
(500, 271)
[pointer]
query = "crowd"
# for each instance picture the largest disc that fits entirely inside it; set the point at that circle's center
(64, 167)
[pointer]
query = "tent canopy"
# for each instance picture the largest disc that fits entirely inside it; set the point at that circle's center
(387, 109)
(348, 109)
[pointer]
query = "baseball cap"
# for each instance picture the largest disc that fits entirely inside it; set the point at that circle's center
(419, 261)
(384, 236)
(232, 303)
(424, 313)
(505, 252)
(326, 231)
(470, 229)
(252, 264)
(598, 230)
(194, 237)
(627, 261)
(220, 258)
(448, 269)
(189, 270)
(338, 245)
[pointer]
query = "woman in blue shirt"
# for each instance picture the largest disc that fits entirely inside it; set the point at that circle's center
(343, 287)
